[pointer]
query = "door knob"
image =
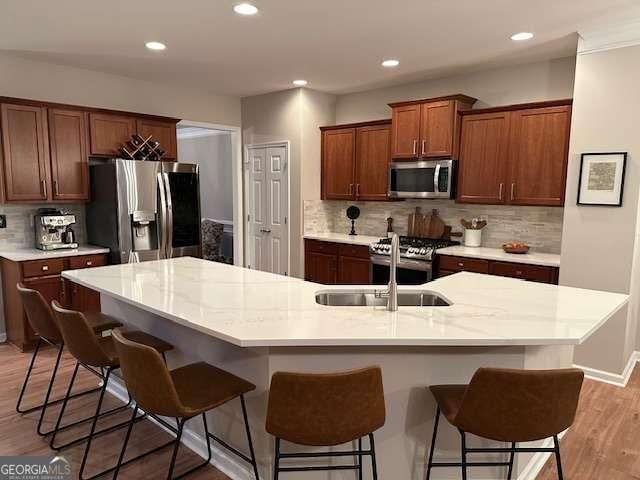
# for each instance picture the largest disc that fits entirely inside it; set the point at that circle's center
(265, 230)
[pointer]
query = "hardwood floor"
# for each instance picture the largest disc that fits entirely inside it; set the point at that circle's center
(18, 432)
(604, 442)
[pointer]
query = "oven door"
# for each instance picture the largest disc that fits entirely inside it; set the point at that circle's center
(409, 272)
(428, 179)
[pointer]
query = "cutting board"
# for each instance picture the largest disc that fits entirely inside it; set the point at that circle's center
(412, 227)
(436, 225)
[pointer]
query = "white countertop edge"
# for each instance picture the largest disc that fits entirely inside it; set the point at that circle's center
(602, 322)
(27, 254)
(364, 240)
(497, 254)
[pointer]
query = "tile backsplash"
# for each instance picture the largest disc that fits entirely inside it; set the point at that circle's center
(540, 227)
(20, 231)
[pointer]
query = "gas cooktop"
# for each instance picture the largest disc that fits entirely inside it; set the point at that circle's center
(412, 247)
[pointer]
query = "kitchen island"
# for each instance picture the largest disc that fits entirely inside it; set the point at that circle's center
(254, 324)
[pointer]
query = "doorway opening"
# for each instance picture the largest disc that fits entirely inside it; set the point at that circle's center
(266, 182)
(216, 150)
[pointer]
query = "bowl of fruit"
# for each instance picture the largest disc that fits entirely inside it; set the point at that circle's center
(515, 247)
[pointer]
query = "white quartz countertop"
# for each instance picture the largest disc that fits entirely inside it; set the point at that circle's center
(532, 258)
(25, 254)
(342, 238)
(251, 308)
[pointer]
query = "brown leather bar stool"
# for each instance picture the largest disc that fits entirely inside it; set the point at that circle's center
(325, 410)
(42, 322)
(508, 406)
(97, 352)
(182, 393)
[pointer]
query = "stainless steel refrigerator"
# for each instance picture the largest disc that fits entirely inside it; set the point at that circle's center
(144, 210)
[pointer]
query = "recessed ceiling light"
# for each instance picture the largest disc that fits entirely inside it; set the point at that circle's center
(300, 83)
(155, 45)
(518, 37)
(391, 63)
(245, 9)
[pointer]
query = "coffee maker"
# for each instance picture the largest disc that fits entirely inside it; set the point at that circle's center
(53, 229)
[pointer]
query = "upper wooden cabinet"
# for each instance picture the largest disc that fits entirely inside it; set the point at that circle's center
(516, 155)
(355, 161)
(428, 128)
(68, 142)
(163, 132)
(109, 133)
(25, 151)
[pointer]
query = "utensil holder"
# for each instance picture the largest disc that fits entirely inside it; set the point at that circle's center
(472, 238)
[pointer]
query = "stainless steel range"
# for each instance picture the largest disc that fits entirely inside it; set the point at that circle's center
(416, 259)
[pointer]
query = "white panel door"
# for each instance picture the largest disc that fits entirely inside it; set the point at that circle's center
(268, 206)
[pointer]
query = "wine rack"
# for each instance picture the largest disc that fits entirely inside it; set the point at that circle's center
(139, 148)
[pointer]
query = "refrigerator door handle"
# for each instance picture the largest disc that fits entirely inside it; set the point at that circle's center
(169, 217)
(163, 217)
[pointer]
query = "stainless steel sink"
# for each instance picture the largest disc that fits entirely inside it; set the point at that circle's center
(364, 298)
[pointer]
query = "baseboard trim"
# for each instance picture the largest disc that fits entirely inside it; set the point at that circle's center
(619, 380)
(3, 337)
(233, 468)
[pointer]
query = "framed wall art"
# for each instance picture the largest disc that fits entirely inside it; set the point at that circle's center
(601, 179)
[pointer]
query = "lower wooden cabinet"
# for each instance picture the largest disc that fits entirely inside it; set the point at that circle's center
(336, 264)
(448, 264)
(44, 276)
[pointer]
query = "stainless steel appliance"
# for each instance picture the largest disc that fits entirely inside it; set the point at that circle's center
(50, 227)
(415, 265)
(144, 210)
(423, 179)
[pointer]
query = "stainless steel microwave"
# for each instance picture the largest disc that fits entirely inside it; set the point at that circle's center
(423, 179)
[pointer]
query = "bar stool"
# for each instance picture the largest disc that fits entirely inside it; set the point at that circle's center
(183, 393)
(97, 352)
(326, 410)
(508, 406)
(41, 320)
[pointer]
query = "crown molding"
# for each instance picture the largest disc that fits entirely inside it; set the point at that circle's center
(608, 38)
(189, 132)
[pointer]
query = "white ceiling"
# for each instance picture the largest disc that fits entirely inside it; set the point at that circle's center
(337, 45)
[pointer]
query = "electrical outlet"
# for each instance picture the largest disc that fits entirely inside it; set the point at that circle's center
(3, 221)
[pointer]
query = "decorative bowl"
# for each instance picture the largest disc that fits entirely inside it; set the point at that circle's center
(515, 247)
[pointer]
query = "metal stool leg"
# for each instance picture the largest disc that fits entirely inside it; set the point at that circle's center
(26, 380)
(248, 430)
(48, 394)
(360, 459)
(276, 460)
(511, 457)
(175, 449)
(374, 465)
(433, 443)
(94, 423)
(464, 455)
(116, 469)
(556, 446)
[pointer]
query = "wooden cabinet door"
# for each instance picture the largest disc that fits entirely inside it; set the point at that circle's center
(163, 132)
(338, 169)
(483, 158)
(109, 132)
(83, 299)
(373, 154)
(51, 288)
(26, 156)
(538, 155)
(68, 139)
(436, 129)
(354, 271)
(321, 268)
(405, 131)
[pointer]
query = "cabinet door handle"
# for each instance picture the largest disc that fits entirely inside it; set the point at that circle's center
(43, 186)
(518, 272)
(460, 264)
(55, 188)
(513, 187)
(357, 189)
(501, 189)
(45, 268)
(424, 147)
(415, 147)
(351, 189)
(89, 263)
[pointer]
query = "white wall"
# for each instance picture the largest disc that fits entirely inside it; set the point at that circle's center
(294, 115)
(214, 155)
(56, 83)
(549, 80)
(599, 243)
